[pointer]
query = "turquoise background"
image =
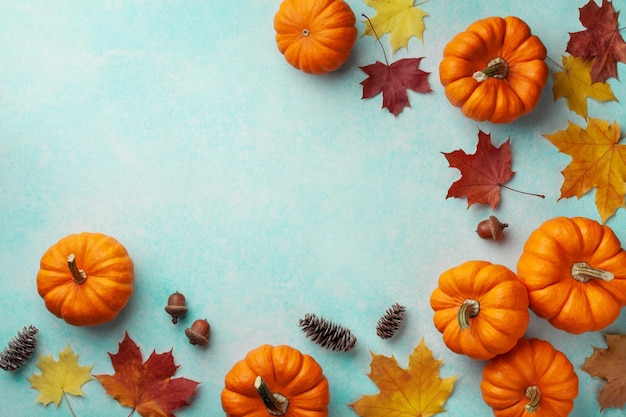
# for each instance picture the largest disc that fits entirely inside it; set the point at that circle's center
(260, 192)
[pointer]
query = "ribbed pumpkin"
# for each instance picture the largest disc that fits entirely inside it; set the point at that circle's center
(481, 309)
(278, 381)
(86, 278)
(494, 70)
(316, 36)
(531, 380)
(575, 272)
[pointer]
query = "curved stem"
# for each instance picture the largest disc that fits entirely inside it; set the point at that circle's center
(470, 308)
(583, 272)
(68, 404)
(275, 403)
(78, 275)
(496, 68)
(377, 37)
(533, 393)
(521, 192)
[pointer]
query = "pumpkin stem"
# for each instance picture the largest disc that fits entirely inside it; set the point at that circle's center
(468, 309)
(275, 403)
(533, 393)
(497, 68)
(78, 275)
(583, 272)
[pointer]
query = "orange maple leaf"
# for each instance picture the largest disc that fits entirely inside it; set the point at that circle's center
(598, 160)
(609, 364)
(417, 391)
(146, 387)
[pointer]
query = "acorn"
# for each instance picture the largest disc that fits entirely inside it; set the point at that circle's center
(176, 306)
(198, 333)
(491, 228)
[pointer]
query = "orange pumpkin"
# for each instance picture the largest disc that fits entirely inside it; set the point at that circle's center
(575, 272)
(532, 380)
(316, 36)
(481, 309)
(494, 70)
(278, 381)
(86, 278)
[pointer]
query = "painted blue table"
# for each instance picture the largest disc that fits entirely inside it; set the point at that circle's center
(260, 192)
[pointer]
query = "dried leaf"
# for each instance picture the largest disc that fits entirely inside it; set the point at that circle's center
(400, 18)
(610, 364)
(601, 40)
(574, 83)
(598, 161)
(417, 391)
(393, 80)
(146, 387)
(482, 172)
(57, 378)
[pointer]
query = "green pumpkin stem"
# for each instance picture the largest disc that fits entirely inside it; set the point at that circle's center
(78, 275)
(533, 393)
(275, 403)
(468, 309)
(583, 272)
(497, 68)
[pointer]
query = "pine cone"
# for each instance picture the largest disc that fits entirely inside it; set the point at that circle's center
(390, 322)
(327, 334)
(20, 349)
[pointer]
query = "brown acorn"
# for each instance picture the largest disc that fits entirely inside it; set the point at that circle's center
(176, 306)
(198, 333)
(491, 228)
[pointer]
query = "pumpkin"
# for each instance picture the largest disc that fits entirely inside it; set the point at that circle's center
(494, 70)
(575, 272)
(278, 381)
(315, 36)
(86, 278)
(531, 380)
(481, 309)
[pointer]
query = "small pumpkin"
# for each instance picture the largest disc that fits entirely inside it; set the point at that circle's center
(494, 70)
(315, 36)
(86, 278)
(531, 380)
(278, 381)
(481, 309)
(575, 272)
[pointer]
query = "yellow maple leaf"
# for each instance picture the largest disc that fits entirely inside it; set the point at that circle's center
(417, 391)
(59, 378)
(400, 18)
(574, 83)
(598, 160)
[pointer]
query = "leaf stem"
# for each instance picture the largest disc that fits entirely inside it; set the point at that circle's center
(377, 37)
(521, 192)
(67, 400)
(132, 412)
(552, 61)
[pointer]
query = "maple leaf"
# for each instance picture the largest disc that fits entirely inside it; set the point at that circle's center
(416, 391)
(598, 160)
(482, 173)
(393, 80)
(601, 40)
(146, 387)
(574, 83)
(57, 379)
(609, 364)
(400, 18)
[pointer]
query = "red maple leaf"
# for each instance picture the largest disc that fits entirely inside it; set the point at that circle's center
(146, 387)
(482, 172)
(393, 80)
(601, 40)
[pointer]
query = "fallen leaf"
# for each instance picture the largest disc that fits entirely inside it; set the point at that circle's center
(609, 364)
(400, 18)
(598, 160)
(482, 173)
(393, 80)
(601, 40)
(574, 83)
(146, 387)
(416, 391)
(59, 378)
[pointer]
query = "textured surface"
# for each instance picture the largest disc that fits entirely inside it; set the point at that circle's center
(259, 192)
